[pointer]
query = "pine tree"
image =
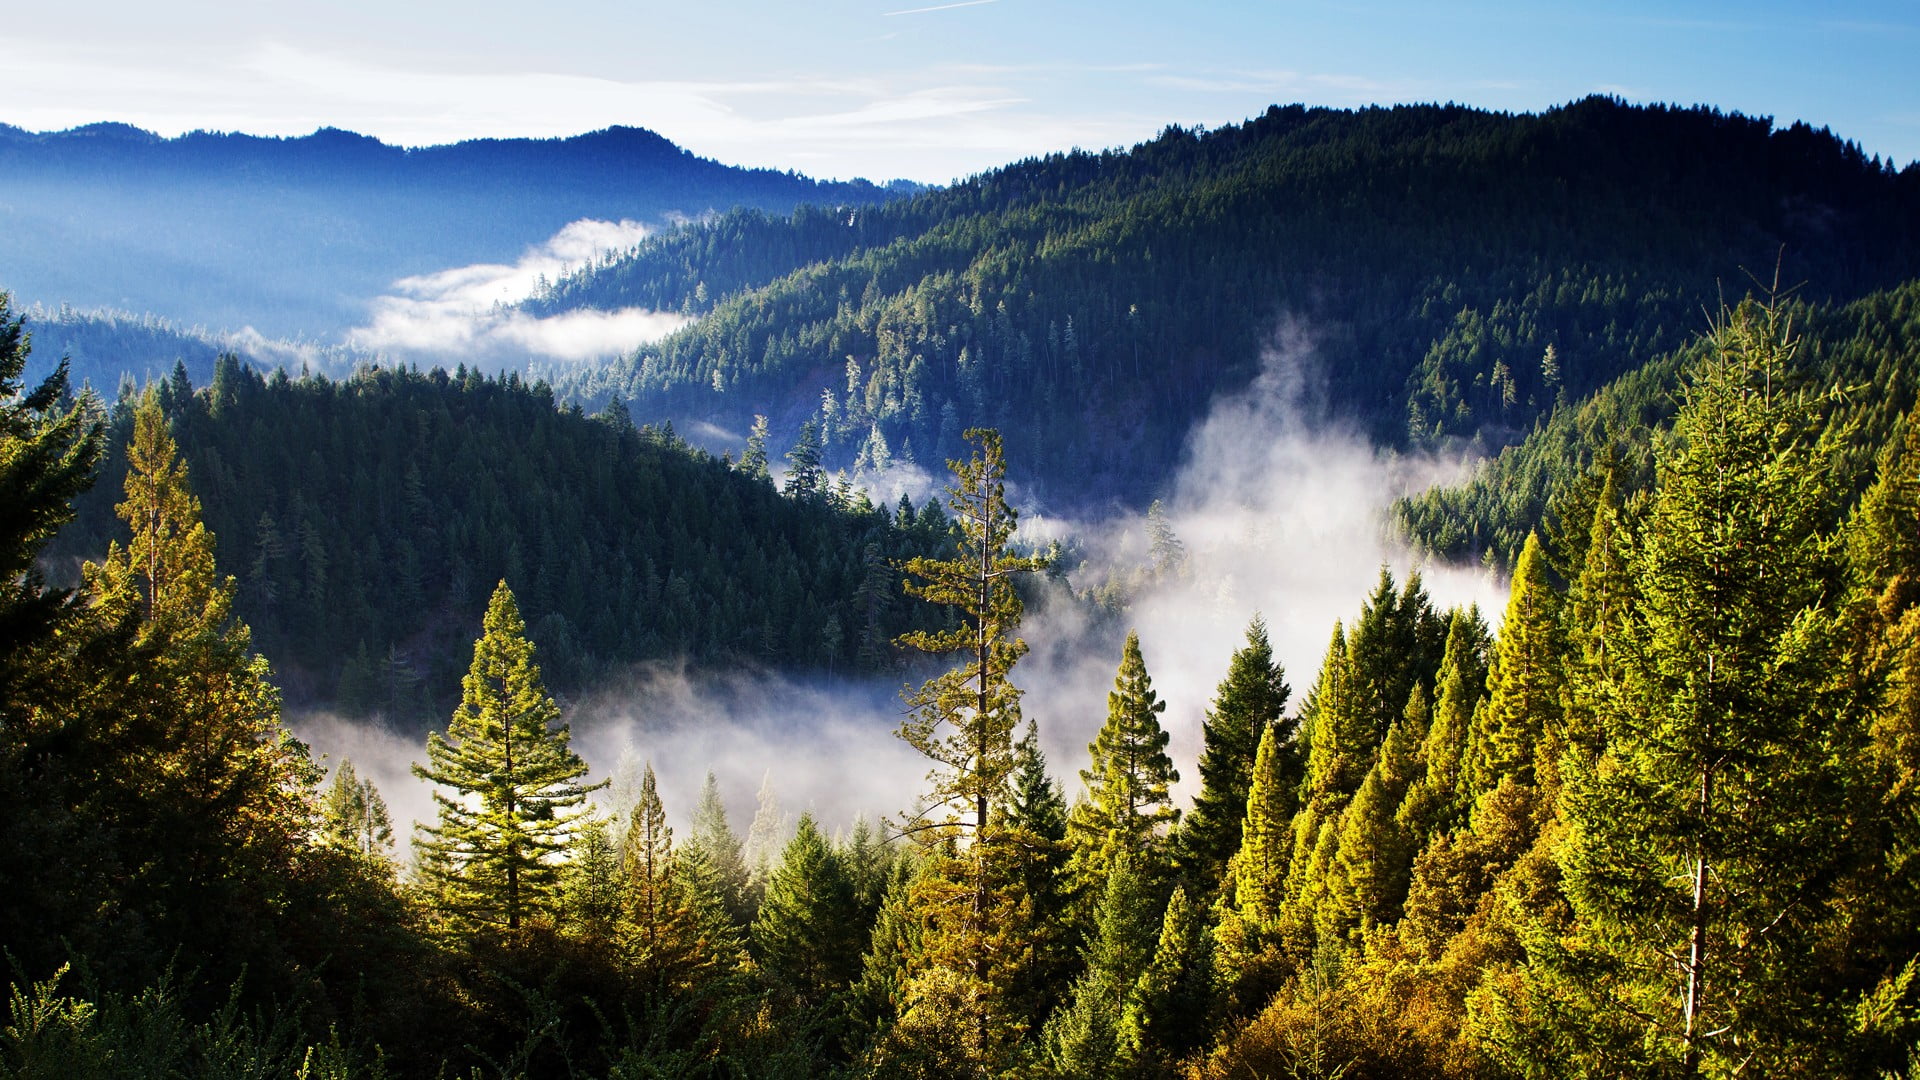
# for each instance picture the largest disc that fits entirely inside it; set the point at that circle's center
(1251, 699)
(715, 840)
(1707, 840)
(963, 719)
(354, 817)
(646, 859)
(808, 935)
(514, 781)
(1127, 784)
(1522, 717)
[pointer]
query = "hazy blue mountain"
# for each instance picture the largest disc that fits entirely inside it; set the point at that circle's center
(293, 235)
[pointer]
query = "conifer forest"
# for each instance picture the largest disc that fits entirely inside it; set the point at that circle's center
(1651, 811)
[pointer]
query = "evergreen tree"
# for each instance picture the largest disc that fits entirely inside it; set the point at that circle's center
(766, 836)
(1035, 831)
(1707, 840)
(591, 890)
(1084, 1038)
(49, 446)
(1438, 801)
(806, 480)
(753, 460)
(963, 719)
(1127, 783)
(514, 779)
(1169, 1015)
(646, 859)
(1522, 717)
(222, 780)
(715, 840)
(1251, 699)
(808, 935)
(353, 816)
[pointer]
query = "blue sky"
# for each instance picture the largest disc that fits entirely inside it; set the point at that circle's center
(930, 89)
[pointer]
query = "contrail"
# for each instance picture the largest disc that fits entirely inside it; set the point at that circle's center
(937, 7)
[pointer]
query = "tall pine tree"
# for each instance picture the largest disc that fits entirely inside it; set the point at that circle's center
(513, 783)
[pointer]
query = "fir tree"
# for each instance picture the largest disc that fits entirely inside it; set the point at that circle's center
(1251, 699)
(515, 782)
(713, 837)
(353, 816)
(1127, 783)
(1522, 717)
(808, 935)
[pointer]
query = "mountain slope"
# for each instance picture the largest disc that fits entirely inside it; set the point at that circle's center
(368, 518)
(1091, 306)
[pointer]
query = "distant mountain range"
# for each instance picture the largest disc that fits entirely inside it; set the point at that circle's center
(293, 236)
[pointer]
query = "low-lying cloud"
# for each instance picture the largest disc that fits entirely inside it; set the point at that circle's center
(468, 314)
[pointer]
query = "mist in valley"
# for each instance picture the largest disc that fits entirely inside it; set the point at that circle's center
(1278, 508)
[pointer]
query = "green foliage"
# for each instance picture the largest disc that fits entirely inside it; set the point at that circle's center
(1093, 305)
(514, 783)
(363, 516)
(1251, 699)
(354, 817)
(1710, 834)
(1127, 784)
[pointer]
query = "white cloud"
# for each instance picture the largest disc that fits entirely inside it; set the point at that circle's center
(465, 313)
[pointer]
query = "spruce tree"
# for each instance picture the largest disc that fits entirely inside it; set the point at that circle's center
(515, 783)
(1128, 802)
(1251, 699)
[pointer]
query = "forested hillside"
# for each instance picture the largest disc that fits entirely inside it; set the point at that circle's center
(1866, 353)
(293, 236)
(367, 518)
(1459, 273)
(1659, 823)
